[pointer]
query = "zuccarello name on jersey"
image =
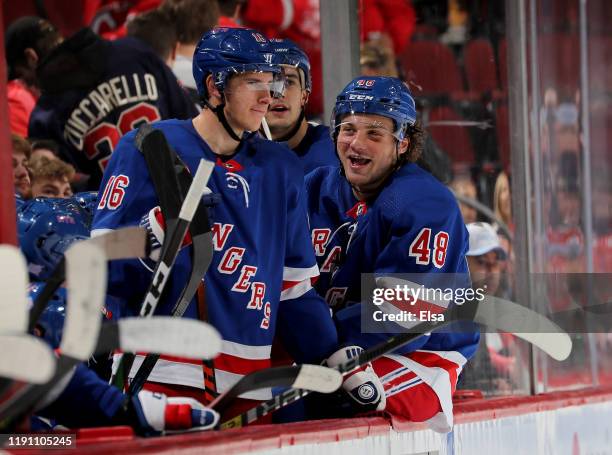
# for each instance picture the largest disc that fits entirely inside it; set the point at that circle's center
(106, 97)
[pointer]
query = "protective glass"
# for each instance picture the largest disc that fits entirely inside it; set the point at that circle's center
(276, 87)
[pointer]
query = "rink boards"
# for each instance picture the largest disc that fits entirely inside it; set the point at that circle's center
(576, 423)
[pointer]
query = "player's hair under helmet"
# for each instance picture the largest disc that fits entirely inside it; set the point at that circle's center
(385, 96)
(224, 52)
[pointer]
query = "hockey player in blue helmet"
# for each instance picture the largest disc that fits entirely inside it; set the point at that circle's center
(257, 290)
(46, 228)
(384, 214)
(286, 117)
(243, 55)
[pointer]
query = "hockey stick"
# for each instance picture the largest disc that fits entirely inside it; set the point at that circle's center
(86, 276)
(163, 334)
(470, 311)
(26, 358)
(172, 244)
(315, 378)
(125, 243)
(507, 316)
(201, 236)
(13, 286)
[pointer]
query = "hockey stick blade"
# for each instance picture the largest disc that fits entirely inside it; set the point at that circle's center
(86, 276)
(175, 237)
(161, 334)
(315, 378)
(125, 243)
(507, 316)
(26, 358)
(13, 287)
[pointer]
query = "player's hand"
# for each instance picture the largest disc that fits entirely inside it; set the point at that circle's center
(154, 223)
(157, 413)
(362, 385)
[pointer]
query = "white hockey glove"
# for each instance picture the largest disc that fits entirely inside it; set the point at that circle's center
(362, 385)
(154, 223)
(157, 413)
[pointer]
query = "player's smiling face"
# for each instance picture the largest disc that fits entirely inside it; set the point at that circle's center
(247, 100)
(285, 112)
(368, 151)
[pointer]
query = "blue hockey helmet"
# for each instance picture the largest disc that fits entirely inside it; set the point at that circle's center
(51, 322)
(286, 52)
(385, 96)
(87, 200)
(46, 228)
(224, 52)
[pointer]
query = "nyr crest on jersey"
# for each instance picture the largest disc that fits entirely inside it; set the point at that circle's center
(230, 165)
(357, 210)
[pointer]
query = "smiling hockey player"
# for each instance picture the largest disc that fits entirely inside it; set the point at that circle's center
(383, 214)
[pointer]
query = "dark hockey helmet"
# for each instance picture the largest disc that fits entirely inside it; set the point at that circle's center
(46, 228)
(51, 322)
(286, 52)
(224, 52)
(87, 200)
(385, 96)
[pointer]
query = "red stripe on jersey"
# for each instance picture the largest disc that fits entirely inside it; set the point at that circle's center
(238, 365)
(431, 360)
(290, 284)
(419, 305)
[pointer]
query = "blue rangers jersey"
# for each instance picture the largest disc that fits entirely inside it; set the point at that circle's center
(94, 91)
(259, 281)
(316, 149)
(412, 226)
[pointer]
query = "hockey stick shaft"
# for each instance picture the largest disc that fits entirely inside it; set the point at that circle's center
(315, 378)
(201, 236)
(175, 238)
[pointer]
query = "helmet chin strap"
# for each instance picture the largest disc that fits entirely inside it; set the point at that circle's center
(219, 111)
(295, 128)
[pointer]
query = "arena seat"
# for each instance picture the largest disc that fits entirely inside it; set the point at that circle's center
(480, 69)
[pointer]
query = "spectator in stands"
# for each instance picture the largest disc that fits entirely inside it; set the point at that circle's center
(44, 147)
(492, 368)
(377, 59)
(191, 18)
(390, 21)
(51, 178)
(27, 41)
(502, 203)
(155, 28)
(463, 185)
(230, 12)
(21, 155)
(94, 91)
(485, 257)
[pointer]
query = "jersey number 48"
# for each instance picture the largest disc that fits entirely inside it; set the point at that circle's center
(422, 253)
